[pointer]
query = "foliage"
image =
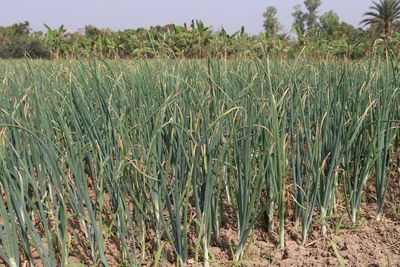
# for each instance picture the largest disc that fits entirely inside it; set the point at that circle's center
(311, 16)
(271, 24)
(329, 24)
(16, 42)
(24, 48)
(307, 22)
(299, 20)
(318, 37)
(383, 15)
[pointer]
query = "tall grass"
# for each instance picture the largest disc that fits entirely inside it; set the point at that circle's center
(155, 157)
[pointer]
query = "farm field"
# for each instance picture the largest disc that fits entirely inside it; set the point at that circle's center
(192, 162)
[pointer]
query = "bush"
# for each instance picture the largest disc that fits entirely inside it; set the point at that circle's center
(20, 48)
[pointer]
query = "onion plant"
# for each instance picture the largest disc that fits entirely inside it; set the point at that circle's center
(154, 159)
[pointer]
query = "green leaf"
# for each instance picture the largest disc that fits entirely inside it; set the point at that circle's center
(75, 265)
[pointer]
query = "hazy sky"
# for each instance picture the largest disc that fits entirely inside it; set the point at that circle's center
(123, 14)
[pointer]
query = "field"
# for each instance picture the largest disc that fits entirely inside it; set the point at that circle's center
(183, 162)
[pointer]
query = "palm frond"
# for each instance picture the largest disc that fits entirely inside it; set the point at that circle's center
(384, 12)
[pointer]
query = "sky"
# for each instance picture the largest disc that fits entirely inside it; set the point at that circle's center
(130, 14)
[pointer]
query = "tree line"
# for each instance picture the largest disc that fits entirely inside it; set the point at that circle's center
(317, 36)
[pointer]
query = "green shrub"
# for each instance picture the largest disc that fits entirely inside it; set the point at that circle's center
(20, 48)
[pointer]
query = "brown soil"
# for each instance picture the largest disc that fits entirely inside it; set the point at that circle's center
(373, 244)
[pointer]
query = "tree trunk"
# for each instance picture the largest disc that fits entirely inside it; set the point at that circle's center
(387, 30)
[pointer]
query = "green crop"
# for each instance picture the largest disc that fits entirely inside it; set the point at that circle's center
(152, 157)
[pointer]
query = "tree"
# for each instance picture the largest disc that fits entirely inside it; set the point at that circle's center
(92, 32)
(329, 24)
(16, 41)
(271, 24)
(306, 21)
(384, 13)
(18, 30)
(312, 15)
(331, 28)
(299, 19)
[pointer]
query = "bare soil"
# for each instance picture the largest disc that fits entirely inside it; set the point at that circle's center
(373, 244)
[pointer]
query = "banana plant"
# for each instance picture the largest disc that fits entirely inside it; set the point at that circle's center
(56, 40)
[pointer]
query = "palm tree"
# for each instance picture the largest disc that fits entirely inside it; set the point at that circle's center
(383, 15)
